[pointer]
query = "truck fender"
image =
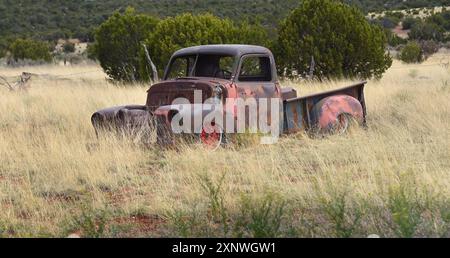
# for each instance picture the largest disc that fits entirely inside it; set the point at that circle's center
(120, 116)
(194, 111)
(335, 111)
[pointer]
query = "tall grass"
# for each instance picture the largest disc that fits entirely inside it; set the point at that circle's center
(390, 179)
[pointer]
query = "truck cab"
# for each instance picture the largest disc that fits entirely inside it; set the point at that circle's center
(240, 70)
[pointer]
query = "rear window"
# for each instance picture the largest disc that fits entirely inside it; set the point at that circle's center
(255, 68)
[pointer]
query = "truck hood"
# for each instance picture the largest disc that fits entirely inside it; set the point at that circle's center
(164, 93)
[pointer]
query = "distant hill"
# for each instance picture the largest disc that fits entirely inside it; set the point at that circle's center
(53, 19)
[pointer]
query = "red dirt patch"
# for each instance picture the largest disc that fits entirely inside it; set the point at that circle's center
(400, 32)
(144, 224)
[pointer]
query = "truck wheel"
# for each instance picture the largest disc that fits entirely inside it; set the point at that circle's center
(211, 136)
(343, 122)
(336, 114)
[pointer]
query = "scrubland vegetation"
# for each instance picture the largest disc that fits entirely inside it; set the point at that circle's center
(391, 178)
(104, 26)
(54, 19)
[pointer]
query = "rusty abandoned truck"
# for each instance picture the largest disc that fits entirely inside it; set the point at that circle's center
(231, 72)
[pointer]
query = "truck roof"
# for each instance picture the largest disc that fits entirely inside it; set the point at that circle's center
(225, 49)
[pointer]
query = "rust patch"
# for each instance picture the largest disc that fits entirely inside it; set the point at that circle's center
(330, 108)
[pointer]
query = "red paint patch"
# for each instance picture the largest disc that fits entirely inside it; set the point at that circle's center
(332, 107)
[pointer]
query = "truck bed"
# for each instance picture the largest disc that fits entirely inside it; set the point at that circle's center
(297, 111)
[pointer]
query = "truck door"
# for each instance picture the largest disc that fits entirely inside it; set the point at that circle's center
(256, 79)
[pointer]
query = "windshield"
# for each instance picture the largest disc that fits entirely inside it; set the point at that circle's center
(205, 65)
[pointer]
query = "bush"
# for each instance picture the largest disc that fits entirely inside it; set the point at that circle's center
(22, 49)
(118, 42)
(391, 19)
(91, 52)
(441, 19)
(339, 38)
(3, 49)
(429, 48)
(84, 35)
(188, 30)
(69, 47)
(426, 31)
(56, 35)
(411, 53)
(388, 22)
(255, 216)
(405, 211)
(409, 22)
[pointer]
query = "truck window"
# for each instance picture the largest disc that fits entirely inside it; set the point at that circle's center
(215, 66)
(255, 69)
(181, 67)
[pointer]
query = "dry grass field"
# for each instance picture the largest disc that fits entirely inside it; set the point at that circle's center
(390, 179)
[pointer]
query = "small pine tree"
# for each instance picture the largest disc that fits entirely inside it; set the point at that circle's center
(411, 53)
(337, 36)
(118, 43)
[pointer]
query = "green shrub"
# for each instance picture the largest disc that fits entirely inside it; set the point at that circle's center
(118, 42)
(441, 19)
(394, 14)
(260, 217)
(340, 211)
(188, 30)
(91, 52)
(411, 53)
(3, 47)
(2, 52)
(91, 222)
(256, 216)
(389, 22)
(217, 211)
(69, 47)
(426, 31)
(339, 38)
(409, 22)
(429, 47)
(405, 212)
(22, 49)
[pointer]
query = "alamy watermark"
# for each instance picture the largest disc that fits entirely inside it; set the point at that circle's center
(230, 116)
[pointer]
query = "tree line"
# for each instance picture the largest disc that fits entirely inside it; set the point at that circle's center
(53, 19)
(337, 36)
